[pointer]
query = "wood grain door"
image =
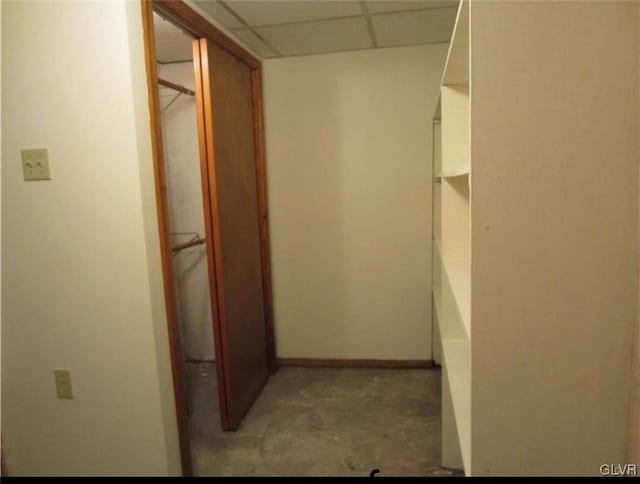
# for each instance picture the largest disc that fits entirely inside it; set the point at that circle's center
(230, 190)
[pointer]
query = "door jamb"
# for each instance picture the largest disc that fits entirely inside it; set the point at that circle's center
(185, 17)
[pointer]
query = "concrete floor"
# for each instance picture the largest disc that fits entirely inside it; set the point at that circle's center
(321, 422)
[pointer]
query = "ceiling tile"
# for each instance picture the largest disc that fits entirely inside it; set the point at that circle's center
(270, 12)
(318, 37)
(376, 6)
(218, 12)
(255, 43)
(172, 44)
(410, 28)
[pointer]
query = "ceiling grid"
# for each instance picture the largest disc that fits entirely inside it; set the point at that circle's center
(284, 28)
(365, 12)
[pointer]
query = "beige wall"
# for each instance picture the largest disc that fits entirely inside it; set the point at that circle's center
(349, 177)
(80, 265)
(185, 205)
(554, 237)
(152, 244)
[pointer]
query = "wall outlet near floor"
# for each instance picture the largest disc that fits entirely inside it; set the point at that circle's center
(35, 164)
(63, 383)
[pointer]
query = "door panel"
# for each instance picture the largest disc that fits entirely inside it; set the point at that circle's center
(226, 121)
(208, 202)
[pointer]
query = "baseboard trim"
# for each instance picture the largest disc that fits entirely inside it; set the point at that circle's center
(354, 363)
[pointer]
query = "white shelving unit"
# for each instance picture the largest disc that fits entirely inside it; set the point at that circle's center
(534, 292)
(452, 295)
(436, 231)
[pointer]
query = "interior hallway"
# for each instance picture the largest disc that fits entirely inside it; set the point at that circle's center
(322, 422)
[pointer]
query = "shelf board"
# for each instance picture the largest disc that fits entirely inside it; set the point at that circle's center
(457, 360)
(461, 170)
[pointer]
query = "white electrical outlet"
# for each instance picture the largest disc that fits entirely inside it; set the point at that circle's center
(35, 164)
(63, 383)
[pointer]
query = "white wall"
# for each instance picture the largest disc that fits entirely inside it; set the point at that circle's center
(554, 237)
(348, 140)
(80, 260)
(152, 243)
(185, 204)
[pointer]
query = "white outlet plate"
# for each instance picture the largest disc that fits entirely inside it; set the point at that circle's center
(35, 164)
(63, 383)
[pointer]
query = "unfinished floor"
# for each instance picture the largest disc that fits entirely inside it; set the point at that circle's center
(321, 422)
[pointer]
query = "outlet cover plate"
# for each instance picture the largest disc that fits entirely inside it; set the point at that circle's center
(63, 383)
(35, 164)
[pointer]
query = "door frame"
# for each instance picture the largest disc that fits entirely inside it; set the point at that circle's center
(186, 18)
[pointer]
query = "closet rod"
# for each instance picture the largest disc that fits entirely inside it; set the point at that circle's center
(176, 87)
(186, 245)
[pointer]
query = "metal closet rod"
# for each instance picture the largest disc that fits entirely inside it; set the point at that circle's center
(186, 245)
(176, 87)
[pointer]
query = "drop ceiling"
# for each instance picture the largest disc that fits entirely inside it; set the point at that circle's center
(283, 28)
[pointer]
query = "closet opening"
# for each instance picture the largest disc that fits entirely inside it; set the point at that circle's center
(209, 172)
(332, 412)
(176, 90)
(193, 343)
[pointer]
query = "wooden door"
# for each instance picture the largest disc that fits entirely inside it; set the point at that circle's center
(230, 191)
